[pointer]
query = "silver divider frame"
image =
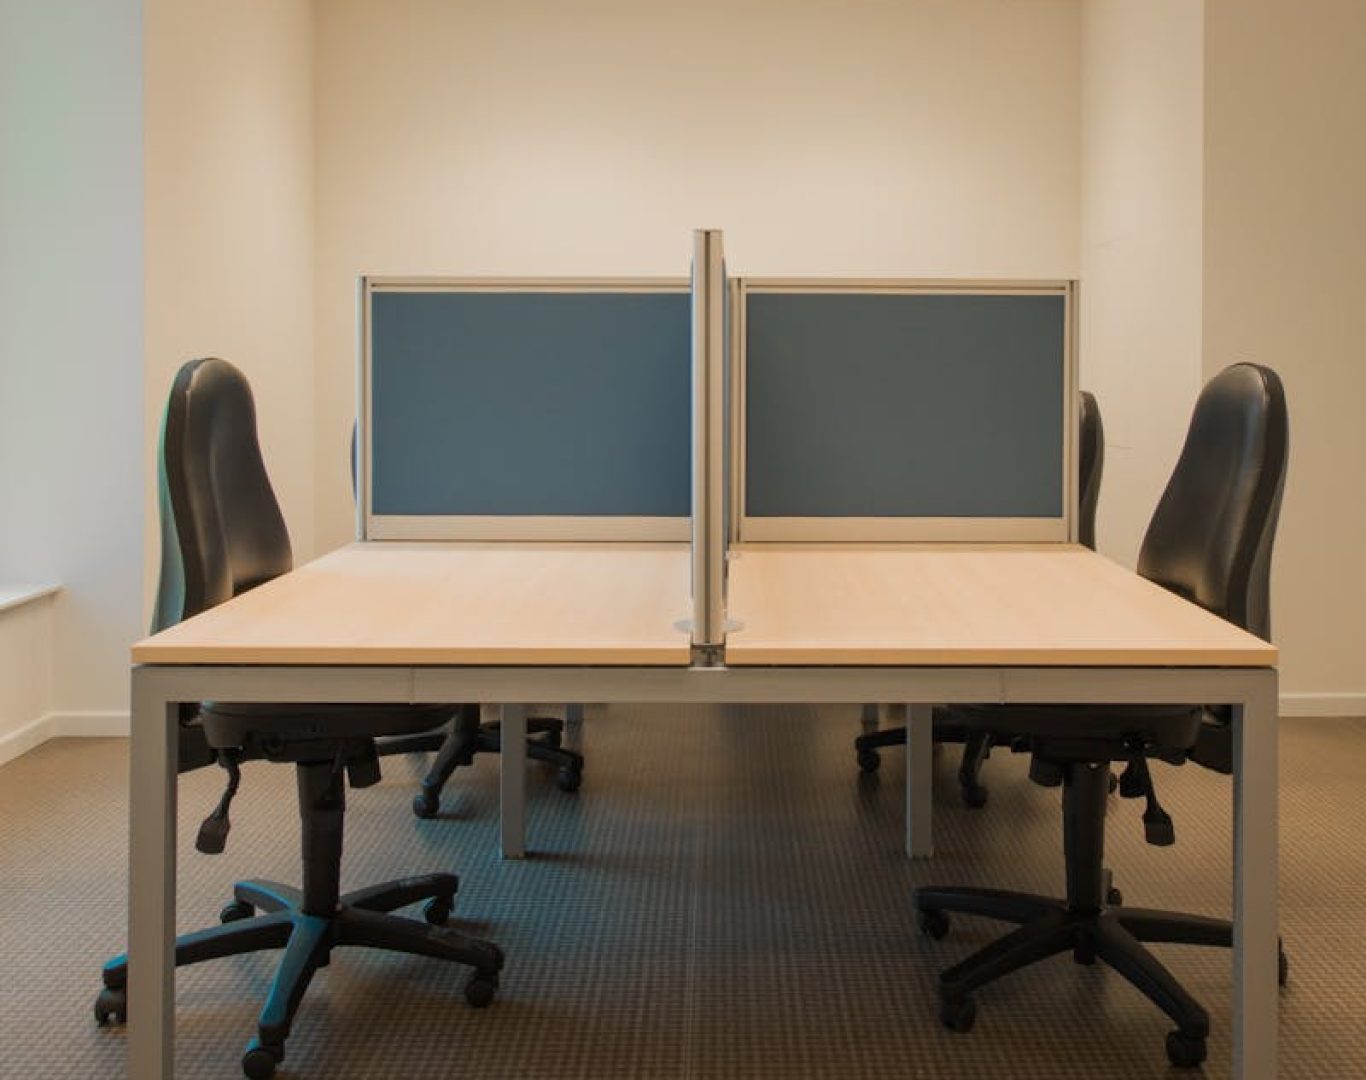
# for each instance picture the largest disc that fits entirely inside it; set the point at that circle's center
(708, 447)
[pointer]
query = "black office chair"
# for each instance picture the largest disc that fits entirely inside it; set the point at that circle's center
(1209, 541)
(458, 742)
(948, 723)
(222, 534)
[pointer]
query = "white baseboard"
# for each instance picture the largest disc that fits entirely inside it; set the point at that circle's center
(23, 740)
(1323, 704)
(83, 725)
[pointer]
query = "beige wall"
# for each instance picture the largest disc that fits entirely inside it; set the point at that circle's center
(831, 137)
(1285, 285)
(1037, 137)
(1141, 211)
(229, 264)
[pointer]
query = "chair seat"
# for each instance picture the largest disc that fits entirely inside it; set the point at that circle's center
(227, 724)
(1168, 727)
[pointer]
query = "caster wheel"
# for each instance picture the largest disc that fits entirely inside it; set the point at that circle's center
(974, 796)
(1185, 1051)
(425, 804)
(1114, 783)
(869, 760)
(111, 1006)
(437, 911)
(569, 777)
(934, 924)
(1282, 967)
(958, 1014)
(1114, 897)
(259, 1062)
(480, 989)
(236, 911)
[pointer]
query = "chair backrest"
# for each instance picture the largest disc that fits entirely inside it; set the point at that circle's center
(1091, 464)
(1210, 538)
(355, 460)
(222, 532)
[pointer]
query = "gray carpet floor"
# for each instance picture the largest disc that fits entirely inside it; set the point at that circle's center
(726, 897)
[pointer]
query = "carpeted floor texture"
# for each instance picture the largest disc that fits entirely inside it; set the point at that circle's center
(726, 897)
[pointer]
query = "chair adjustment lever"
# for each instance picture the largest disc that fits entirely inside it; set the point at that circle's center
(363, 770)
(1131, 783)
(1158, 829)
(213, 831)
(359, 759)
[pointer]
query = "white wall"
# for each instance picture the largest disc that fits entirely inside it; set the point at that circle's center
(230, 225)
(71, 217)
(830, 137)
(1142, 143)
(1285, 285)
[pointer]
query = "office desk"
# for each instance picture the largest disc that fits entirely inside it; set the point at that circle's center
(496, 623)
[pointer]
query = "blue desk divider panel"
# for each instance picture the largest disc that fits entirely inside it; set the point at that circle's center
(524, 410)
(906, 412)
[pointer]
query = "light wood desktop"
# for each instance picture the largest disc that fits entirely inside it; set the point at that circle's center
(966, 604)
(394, 602)
(603, 623)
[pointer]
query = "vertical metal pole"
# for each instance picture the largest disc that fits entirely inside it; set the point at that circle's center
(919, 778)
(512, 766)
(1255, 983)
(151, 882)
(1071, 428)
(362, 429)
(708, 447)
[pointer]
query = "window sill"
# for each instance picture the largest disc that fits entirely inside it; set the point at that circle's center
(15, 596)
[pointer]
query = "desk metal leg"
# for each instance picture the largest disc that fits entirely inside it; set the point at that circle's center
(573, 727)
(151, 894)
(1255, 988)
(919, 777)
(512, 757)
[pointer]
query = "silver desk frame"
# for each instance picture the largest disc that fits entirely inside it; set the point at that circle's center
(157, 690)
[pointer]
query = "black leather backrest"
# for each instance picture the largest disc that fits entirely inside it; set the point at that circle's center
(1210, 539)
(222, 532)
(1091, 464)
(355, 460)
